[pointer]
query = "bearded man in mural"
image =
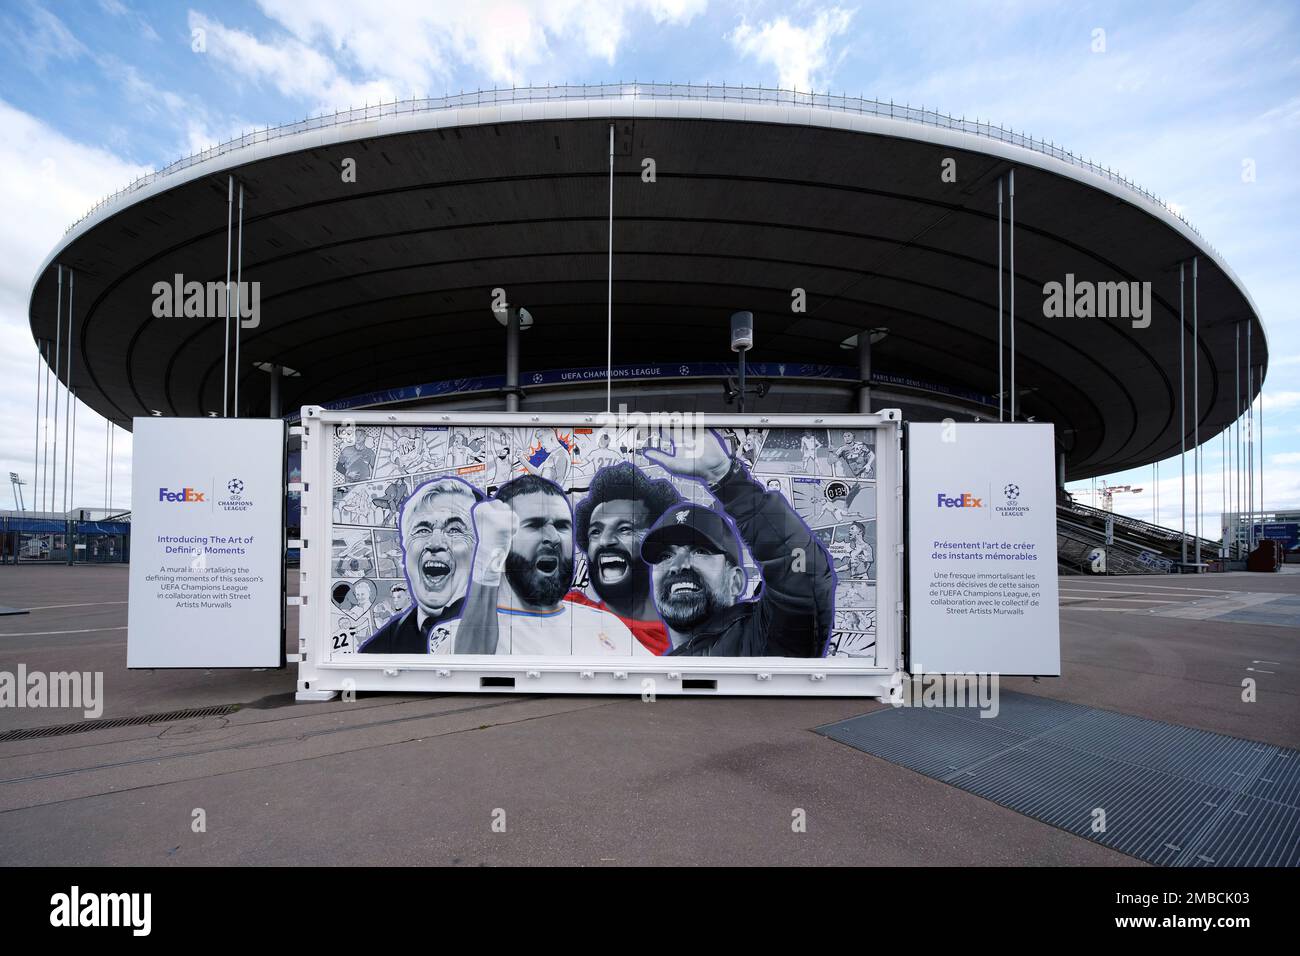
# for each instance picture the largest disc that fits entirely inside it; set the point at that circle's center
(698, 572)
(436, 529)
(612, 520)
(522, 570)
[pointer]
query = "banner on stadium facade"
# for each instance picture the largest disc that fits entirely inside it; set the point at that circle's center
(616, 553)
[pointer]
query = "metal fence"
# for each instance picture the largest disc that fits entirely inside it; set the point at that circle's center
(756, 95)
(56, 541)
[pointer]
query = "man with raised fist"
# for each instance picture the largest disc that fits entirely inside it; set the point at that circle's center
(698, 572)
(522, 570)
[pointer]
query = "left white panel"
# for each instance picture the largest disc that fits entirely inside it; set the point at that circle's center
(207, 543)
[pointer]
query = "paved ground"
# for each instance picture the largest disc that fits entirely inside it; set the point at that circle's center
(600, 781)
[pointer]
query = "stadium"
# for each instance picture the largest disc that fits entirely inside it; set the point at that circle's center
(892, 257)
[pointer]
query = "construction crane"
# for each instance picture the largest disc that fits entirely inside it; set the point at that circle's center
(1108, 493)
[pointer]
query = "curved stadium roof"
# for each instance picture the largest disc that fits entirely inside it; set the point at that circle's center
(387, 281)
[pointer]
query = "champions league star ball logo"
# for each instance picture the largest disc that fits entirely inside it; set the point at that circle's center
(235, 486)
(1013, 508)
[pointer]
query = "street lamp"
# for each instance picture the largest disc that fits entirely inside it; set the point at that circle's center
(742, 340)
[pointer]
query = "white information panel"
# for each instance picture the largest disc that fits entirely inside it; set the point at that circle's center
(207, 543)
(982, 549)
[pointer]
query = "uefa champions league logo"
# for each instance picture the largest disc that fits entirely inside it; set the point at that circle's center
(1013, 508)
(234, 499)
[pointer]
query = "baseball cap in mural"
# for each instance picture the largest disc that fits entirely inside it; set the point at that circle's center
(690, 524)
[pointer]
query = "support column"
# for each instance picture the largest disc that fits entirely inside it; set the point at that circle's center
(512, 360)
(225, 343)
(239, 315)
(1196, 418)
(1011, 311)
(67, 405)
(1060, 471)
(1002, 391)
(864, 371)
(1182, 412)
(275, 391)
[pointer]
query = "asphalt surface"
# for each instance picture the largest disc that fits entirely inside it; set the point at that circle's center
(391, 779)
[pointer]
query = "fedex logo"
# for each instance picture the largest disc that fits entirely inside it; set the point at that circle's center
(964, 500)
(185, 494)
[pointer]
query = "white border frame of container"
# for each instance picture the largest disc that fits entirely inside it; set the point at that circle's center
(322, 677)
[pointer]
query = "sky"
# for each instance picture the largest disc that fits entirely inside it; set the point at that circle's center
(1176, 96)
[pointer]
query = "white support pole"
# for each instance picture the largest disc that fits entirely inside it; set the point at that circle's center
(108, 425)
(1250, 445)
(58, 357)
(1182, 410)
(45, 427)
(112, 436)
(1236, 426)
(1261, 444)
(36, 451)
(609, 289)
(1011, 280)
(225, 344)
(67, 406)
(1196, 415)
(239, 288)
(72, 480)
(1001, 386)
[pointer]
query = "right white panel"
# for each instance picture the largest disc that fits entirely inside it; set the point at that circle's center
(981, 547)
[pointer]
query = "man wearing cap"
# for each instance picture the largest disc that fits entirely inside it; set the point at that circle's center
(698, 574)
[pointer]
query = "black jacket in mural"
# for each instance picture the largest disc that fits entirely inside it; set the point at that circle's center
(402, 634)
(792, 612)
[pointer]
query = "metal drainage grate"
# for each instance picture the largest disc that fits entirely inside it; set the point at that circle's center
(1172, 795)
(61, 730)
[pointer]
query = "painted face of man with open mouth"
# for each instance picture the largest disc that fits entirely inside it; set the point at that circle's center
(693, 583)
(439, 544)
(539, 566)
(614, 536)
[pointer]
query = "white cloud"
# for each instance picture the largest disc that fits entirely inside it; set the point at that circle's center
(47, 39)
(49, 181)
(1279, 401)
(801, 55)
(339, 53)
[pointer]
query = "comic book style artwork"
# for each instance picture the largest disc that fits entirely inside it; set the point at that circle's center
(825, 477)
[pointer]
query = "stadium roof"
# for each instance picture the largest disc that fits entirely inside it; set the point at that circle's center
(388, 280)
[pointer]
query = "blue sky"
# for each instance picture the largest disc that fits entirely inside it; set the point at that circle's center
(93, 94)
